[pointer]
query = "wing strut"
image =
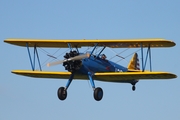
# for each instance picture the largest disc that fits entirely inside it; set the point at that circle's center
(101, 51)
(35, 55)
(98, 92)
(38, 58)
(30, 56)
(91, 80)
(94, 49)
(150, 58)
(77, 49)
(69, 81)
(148, 53)
(70, 47)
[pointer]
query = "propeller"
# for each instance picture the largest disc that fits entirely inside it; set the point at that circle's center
(79, 57)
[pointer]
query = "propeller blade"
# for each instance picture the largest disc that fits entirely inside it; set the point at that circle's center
(79, 57)
(55, 63)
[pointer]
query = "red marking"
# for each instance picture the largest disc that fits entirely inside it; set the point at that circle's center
(107, 68)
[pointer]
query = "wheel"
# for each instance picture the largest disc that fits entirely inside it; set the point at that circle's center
(133, 87)
(62, 93)
(98, 94)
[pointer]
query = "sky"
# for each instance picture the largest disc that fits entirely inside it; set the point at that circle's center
(32, 98)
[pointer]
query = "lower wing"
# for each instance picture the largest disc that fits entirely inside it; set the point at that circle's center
(106, 76)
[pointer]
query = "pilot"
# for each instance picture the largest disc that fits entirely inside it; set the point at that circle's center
(103, 57)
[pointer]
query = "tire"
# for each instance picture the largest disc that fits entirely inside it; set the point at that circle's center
(98, 94)
(62, 93)
(133, 87)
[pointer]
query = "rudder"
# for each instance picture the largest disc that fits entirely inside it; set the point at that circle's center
(134, 63)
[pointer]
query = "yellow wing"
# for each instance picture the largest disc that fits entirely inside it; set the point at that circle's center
(107, 76)
(123, 76)
(126, 43)
(48, 74)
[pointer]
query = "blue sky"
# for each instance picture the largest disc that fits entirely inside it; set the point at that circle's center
(30, 98)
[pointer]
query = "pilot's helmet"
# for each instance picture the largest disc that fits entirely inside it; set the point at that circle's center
(103, 56)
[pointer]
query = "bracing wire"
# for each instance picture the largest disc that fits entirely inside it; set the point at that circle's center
(127, 56)
(50, 55)
(117, 53)
(44, 64)
(42, 50)
(56, 52)
(87, 49)
(98, 50)
(62, 53)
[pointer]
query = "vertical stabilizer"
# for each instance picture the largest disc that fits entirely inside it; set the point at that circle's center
(134, 63)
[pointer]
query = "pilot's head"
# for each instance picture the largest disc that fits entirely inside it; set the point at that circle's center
(103, 56)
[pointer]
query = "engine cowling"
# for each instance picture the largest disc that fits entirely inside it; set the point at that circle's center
(73, 65)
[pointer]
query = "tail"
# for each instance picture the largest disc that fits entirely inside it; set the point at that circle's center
(134, 63)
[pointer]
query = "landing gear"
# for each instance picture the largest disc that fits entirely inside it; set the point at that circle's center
(62, 93)
(98, 94)
(133, 87)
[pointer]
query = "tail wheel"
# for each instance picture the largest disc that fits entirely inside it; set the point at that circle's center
(62, 93)
(133, 87)
(98, 94)
(72, 66)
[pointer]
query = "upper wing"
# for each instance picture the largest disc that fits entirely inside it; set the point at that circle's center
(107, 76)
(126, 43)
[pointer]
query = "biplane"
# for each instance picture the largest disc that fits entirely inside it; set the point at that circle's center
(90, 66)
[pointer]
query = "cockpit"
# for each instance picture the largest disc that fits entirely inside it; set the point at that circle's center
(97, 56)
(103, 56)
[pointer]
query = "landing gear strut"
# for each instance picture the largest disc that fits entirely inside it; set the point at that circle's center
(62, 91)
(98, 92)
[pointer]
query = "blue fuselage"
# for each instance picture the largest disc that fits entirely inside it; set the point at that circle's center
(96, 64)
